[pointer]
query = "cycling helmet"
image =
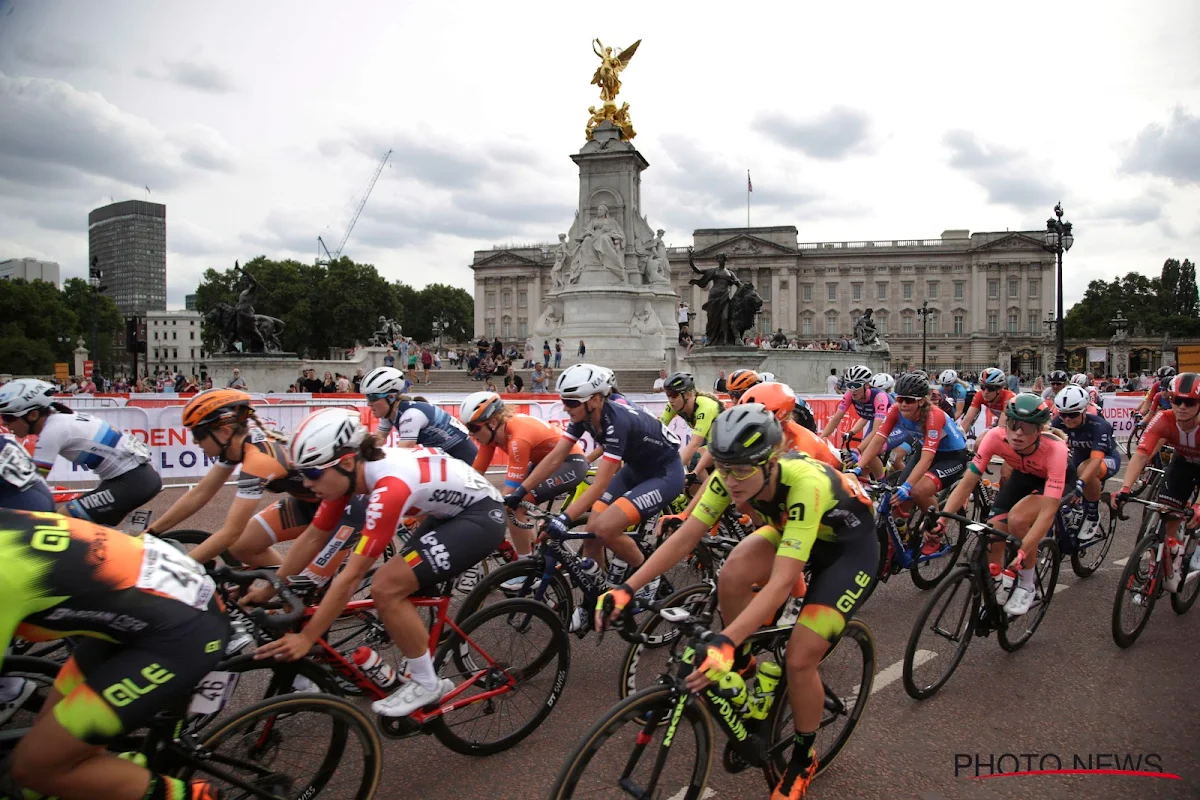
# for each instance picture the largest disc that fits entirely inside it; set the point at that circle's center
(1079, 379)
(581, 381)
(325, 436)
(778, 398)
(1028, 407)
(744, 434)
(19, 397)
(948, 377)
(610, 380)
(1166, 372)
(383, 380)
(1072, 399)
(804, 415)
(920, 372)
(679, 382)
(883, 381)
(912, 384)
(480, 406)
(216, 407)
(767, 377)
(742, 379)
(1058, 376)
(1186, 384)
(992, 377)
(858, 375)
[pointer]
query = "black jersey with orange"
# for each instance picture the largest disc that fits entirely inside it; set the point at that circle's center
(267, 467)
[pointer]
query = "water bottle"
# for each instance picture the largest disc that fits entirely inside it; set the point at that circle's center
(733, 688)
(1175, 563)
(616, 571)
(240, 635)
(769, 675)
(374, 667)
(590, 570)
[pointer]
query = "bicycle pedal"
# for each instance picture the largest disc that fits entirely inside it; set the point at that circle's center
(732, 760)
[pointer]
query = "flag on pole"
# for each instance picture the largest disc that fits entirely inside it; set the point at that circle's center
(147, 188)
(749, 185)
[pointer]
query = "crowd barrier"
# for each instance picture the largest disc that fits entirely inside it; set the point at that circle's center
(157, 420)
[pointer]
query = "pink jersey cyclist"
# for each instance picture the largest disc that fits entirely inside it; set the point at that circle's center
(1045, 471)
(873, 408)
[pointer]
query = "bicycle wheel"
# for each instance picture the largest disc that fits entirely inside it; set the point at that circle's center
(1150, 477)
(1137, 592)
(1088, 557)
(1012, 636)
(847, 675)
(337, 753)
(928, 572)
(41, 672)
(616, 756)
(558, 594)
(188, 538)
(1183, 600)
(645, 663)
(519, 647)
(1131, 444)
(259, 680)
(939, 616)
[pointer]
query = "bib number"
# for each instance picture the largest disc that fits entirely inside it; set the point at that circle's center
(136, 448)
(166, 571)
(213, 692)
(16, 467)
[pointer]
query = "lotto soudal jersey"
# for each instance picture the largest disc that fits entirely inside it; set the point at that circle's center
(88, 442)
(630, 434)
(425, 424)
(410, 482)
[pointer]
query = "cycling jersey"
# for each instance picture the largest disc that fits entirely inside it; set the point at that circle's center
(954, 392)
(705, 411)
(1094, 436)
(21, 487)
(939, 433)
(1160, 394)
(798, 439)
(1165, 428)
(88, 442)
(266, 467)
(874, 407)
(996, 405)
(529, 441)
(630, 434)
(151, 606)
(425, 424)
(1048, 460)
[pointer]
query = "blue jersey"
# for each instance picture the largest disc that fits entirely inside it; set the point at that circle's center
(1094, 434)
(425, 424)
(939, 431)
(21, 487)
(955, 392)
(630, 434)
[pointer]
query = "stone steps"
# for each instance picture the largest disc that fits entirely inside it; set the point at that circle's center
(459, 380)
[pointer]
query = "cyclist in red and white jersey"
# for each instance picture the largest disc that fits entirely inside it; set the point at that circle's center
(991, 395)
(1084, 382)
(1158, 398)
(462, 523)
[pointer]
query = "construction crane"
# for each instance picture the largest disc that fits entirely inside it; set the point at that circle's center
(370, 186)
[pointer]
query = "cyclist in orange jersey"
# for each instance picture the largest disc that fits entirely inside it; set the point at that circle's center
(780, 400)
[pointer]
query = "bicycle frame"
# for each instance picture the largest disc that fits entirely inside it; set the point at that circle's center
(991, 614)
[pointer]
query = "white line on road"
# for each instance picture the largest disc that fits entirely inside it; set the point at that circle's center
(895, 671)
(1121, 562)
(1059, 588)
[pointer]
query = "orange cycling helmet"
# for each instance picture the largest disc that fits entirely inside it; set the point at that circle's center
(779, 399)
(216, 407)
(742, 379)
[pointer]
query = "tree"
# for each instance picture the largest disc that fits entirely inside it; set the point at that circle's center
(436, 300)
(77, 296)
(36, 327)
(1189, 298)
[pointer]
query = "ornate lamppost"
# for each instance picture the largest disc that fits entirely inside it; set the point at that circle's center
(1058, 239)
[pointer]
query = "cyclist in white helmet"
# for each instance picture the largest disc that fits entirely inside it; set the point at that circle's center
(954, 389)
(1092, 452)
(416, 423)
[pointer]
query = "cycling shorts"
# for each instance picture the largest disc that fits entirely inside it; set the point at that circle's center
(1020, 484)
(34, 497)
(641, 495)
(464, 451)
(569, 474)
(287, 518)
(109, 688)
(441, 549)
(898, 438)
(842, 578)
(113, 499)
(947, 467)
(1179, 482)
(1111, 463)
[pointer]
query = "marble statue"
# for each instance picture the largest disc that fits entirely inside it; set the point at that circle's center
(647, 324)
(867, 336)
(548, 324)
(607, 75)
(721, 284)
(563, 255)
(389, 331)
(658, 269)
(602, 245)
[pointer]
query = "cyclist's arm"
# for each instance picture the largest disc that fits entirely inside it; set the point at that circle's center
(241, 510)
(604, 475)
(969, 419)
(192, 501)
(923, 464)
(595, 453)
(878, 440)
(856, 429)
(1047, 511)
(695, 442)
(705, 463)
(303, 550)
(341, 590)
(831, 426)
(785, 572)
(958, 408)
(551, 462)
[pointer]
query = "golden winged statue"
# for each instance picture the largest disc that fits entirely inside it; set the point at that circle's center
(608, 74)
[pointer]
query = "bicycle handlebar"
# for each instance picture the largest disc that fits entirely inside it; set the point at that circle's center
(1169, 512)
(534, 514)
(293, 606)
(932, 512)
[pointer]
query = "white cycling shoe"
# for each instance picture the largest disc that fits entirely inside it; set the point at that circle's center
(1089, 530)
(410, 697)
(1020, 602)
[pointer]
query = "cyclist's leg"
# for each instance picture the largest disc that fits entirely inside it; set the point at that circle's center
(1178, 484)
(946, 469)
(282, 521)
(1011, 493)
(113, 499)
(749, 564)
(642, 497)
(63, 753)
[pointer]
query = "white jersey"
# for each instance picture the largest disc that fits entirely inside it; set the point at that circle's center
(425, 481)
(88, 442)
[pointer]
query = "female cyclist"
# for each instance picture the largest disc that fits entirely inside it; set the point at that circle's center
(120, 460)
(955, 391)
(1158, 398)
(1028, 501)
(698, 410)
(993, 395)
(780, 400)
(833, 531)
(870, 404)
(1092, 451)
(21, 487)
(740, 381)
(526, 441)
(463, 522)
(416, 423)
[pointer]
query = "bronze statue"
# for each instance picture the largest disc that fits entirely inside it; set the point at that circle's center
(247, 327)
(864, 329)
(722, 285)
(257, 333)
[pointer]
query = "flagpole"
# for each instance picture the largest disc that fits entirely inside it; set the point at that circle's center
(747, 199)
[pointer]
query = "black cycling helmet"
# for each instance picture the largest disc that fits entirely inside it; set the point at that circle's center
(1028, 407)
(1058, 376)
(745, 434)
(1166, 372)
(679, 382)
(912, 384)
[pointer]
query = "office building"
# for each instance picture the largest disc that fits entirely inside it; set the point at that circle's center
(130, 241)
(31, 270)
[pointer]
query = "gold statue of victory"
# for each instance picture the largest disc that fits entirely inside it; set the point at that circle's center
(608, 78)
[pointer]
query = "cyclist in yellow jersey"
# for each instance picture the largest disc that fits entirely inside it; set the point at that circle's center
(811, 514)
(698, 410)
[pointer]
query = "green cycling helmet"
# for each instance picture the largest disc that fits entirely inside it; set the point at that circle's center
(1028, 407)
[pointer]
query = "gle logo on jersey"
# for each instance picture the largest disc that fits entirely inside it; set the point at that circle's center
(796, 512)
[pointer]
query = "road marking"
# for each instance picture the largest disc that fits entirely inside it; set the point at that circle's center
(1121, 562)
(896, 671)
(682, 793)
(1059, 588)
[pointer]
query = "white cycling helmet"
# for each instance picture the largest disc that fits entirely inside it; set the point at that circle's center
(768, 377)
(581, 381)
(1079, 379)
(948, 377)
(1071, 399)
(859, 374)
(883, 381)
(480, 406)
(325, 436)
(610, 380)
(992, 376)
(19, 397)
(382, 380)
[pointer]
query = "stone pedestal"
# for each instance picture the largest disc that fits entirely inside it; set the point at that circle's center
(806, 370)
(81, 355)
(275, 372)
(707, 363)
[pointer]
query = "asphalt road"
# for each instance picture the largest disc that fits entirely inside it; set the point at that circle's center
(1070, 693)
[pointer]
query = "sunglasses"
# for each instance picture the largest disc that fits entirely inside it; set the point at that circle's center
(738, 472)
(1186, 402)
(572, 403)
(373, 396)
(199, 434)
(1071, 414)
(476, 427)
(854, 387)
(313, 473)
(9, 419)
(991, 388)
(908, 400)
(1024, 427)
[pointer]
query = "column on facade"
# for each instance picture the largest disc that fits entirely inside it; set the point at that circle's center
(480, 307)
(533, 309)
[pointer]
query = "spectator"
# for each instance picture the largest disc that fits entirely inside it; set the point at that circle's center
(831, 383)
(546, 352)
(426, 363)
(343, 384)
(358, 377)
(414, 356)
(557, 353)
(497, 348)
(683, 313)
(328, 386)
(389, 359)
(73, 386)
(720, 384)
(538, 380)
(518, 383)
(779, 339)
(530, 354)
(191, 385)
(660, 381)
(1014, 381)
(582, 349)
(237, 382)
(489, 385)
(508, 383)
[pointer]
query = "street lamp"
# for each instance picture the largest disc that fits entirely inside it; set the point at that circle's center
(1058, 239)
(924, 313)
(94, 276)
(440, 325)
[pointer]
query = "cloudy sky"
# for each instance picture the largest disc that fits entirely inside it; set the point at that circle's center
(259, 124)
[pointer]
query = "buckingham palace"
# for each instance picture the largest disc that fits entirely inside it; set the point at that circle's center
(982, 292)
